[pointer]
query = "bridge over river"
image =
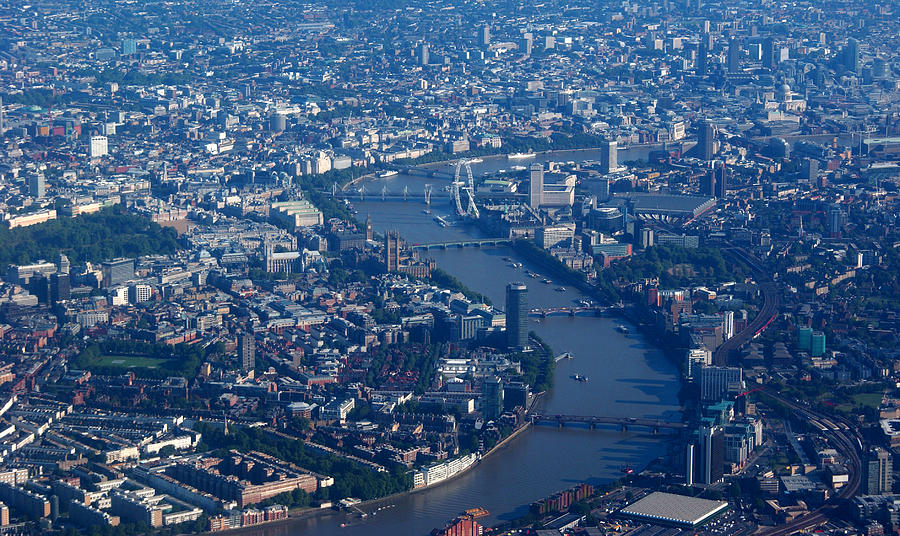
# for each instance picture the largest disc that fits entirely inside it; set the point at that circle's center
(593, 421)
(567, 311)
(474, 243)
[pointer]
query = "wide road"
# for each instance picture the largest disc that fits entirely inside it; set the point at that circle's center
(771, 303)
(847, 443)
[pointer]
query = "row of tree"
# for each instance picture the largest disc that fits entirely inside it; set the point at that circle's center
(674, 267)
(101, 236)
(179, 360)
(351, 479)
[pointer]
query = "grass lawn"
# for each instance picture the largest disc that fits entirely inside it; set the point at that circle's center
(872, 400)
(130, 361)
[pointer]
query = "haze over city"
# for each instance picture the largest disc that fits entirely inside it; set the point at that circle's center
(449, 268)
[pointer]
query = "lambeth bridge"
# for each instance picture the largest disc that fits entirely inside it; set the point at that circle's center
(593, 421)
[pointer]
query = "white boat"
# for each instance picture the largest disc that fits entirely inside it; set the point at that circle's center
(476, 161)
(441, 221)
(520, 156)
(622, 329)
(389, 173)
(518, 168)
(560, 289)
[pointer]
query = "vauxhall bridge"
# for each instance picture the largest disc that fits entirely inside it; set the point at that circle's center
(566, 311)
(593, 421)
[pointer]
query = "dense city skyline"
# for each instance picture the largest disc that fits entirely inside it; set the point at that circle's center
(449, 267)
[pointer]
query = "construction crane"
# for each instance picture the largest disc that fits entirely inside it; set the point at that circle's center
(745, 393)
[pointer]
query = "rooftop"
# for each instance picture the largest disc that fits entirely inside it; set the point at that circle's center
(671, 508)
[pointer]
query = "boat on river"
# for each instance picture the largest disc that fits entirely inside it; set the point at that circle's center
(622, 329)
(389, 173)
(476, 513)
(520, 156)
(579, 378)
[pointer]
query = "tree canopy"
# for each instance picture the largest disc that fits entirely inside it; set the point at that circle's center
(101, 236)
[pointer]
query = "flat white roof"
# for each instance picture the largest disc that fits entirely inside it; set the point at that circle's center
(671, 508)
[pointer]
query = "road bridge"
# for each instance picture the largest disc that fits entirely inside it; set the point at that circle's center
(475, 243)
(567, 311)
(593, 421)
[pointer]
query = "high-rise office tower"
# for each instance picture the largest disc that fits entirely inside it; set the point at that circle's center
(536, 186)
(603, 185)
(879, 472)
(247, 351)
(717, 381)
(99, 146)
(37, 188)
(879, 70)
(809, 170)
(277, 122)
(721, 185)
(609, 156)
(648, 237)
(423, 54)
(712, 455)
(734, 55)
(392, 251)
(491, 398)
(39, 286)
(702, 65)
(708, 183)
(527, 43)
(835, 221)
(851, 55)
(117, 271)
(129, 47)
(727, 325)
(768, 53)
(485, 35)
(706, 138)
(60, 288)
(63, 264)
(516, 315)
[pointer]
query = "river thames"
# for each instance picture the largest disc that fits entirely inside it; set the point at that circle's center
(627, 377)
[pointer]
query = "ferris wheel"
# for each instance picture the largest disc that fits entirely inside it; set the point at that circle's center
(459, 188)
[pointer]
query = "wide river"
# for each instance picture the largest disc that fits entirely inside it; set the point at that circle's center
(626, 377)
